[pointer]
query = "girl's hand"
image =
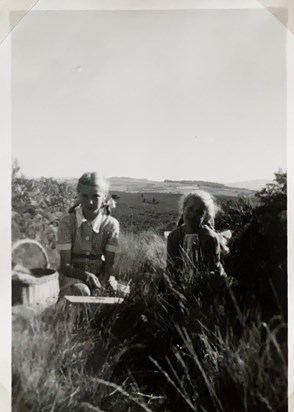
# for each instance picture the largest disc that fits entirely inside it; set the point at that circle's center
(92, 281)
(113, 283)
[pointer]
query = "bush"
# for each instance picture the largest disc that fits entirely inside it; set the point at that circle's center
(37, 206)
(258, 257)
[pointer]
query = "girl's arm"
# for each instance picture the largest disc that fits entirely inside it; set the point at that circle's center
(67, 269)
(108, 265)
(212, 253)
(65, 239)
(110, 250)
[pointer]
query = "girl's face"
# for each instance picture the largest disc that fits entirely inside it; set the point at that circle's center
(194, 214)
(91, 199)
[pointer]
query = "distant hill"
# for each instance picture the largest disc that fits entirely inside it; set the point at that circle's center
(195, 182)
(124, 178)
(256, 184)
(133, 185)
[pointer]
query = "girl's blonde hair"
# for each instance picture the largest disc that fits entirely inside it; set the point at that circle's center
(93, 179)
(207, 199)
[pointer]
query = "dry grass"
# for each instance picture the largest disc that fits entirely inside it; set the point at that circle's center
(175, 344)
(140, 252)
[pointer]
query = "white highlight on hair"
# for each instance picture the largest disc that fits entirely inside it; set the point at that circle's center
(94, 179)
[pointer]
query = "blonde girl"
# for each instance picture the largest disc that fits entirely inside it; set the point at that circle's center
(195, 238)
(87, 239)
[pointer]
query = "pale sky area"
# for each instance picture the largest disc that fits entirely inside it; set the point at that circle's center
(170, 94)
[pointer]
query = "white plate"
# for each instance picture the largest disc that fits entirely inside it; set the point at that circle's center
(94, 299)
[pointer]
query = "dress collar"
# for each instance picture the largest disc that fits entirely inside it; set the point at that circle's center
(96, 223)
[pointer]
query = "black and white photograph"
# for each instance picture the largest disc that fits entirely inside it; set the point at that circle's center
(148, 241)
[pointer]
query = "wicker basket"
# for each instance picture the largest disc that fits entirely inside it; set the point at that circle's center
(40, 286)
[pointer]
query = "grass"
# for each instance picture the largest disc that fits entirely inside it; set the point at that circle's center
(139, 253)
(174, 344)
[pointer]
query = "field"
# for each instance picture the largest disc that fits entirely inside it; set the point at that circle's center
(200, 343)
(131, 185)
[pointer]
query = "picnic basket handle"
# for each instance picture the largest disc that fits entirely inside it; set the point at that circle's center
(34, 242)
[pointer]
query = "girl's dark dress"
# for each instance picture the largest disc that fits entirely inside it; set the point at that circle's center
(202, 249)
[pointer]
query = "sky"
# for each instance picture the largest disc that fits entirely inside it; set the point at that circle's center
(161, 94)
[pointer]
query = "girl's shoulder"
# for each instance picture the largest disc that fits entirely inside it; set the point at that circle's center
(66, 218)
(113, 221)
(176, 233)
(67, 224)
(110, 222)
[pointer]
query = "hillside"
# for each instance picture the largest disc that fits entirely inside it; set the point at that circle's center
(256, 184)
(133, 185)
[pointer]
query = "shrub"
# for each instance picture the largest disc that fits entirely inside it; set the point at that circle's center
(258, 257)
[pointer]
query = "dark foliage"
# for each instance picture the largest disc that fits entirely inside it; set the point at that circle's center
(258, 257)
(177, 336)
